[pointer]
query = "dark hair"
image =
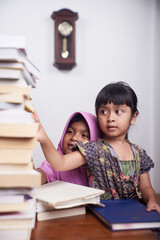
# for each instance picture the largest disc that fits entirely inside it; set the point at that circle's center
(77, 118)
(118, 93)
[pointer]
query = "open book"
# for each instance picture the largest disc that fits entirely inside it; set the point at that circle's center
(61, 195)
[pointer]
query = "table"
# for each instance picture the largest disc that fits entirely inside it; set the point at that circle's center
(84, 227)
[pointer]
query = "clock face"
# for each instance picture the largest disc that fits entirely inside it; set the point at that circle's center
(65, 28)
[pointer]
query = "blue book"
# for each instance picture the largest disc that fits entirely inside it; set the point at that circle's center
(125, 214)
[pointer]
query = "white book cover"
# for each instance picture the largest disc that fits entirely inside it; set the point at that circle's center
(12, 65)
(11, 71)
(61, 213)
(17, 191)
(20, 81)
(14, 74)
(16, 115)
(61, 194)
(16, 55)
(20, 219)
(16, 234)
(28, 213)
(14, 203)
(7, 106)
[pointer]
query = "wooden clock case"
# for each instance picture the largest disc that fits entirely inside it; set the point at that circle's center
(60, 16)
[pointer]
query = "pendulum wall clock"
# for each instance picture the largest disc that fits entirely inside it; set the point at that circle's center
(64, 34)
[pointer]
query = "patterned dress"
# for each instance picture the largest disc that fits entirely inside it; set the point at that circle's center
(119, 179)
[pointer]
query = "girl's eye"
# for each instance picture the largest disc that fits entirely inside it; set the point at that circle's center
(85, 136)
(69, 131)
(104, 112)
(119, 111)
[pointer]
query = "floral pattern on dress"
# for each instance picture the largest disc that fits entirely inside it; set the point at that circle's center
(106, 171)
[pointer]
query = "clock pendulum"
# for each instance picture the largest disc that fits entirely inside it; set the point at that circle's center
(65, 29)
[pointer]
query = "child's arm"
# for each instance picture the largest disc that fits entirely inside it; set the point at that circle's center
(57, 161)
(43, 175)
(148, 193)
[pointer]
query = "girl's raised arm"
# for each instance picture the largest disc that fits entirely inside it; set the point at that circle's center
(57, 161)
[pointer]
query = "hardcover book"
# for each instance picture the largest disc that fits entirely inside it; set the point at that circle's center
(126, 214)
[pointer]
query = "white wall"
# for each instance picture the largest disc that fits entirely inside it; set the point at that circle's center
(115, 41)
(156, 120)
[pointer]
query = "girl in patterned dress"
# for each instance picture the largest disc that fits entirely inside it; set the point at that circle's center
(114, 164)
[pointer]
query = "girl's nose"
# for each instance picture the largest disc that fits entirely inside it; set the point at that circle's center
(110, 117)
(75, 137)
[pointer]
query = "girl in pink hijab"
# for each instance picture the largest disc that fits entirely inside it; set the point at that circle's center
(81, 126)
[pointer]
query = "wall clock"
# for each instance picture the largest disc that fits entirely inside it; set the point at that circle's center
(64, 37)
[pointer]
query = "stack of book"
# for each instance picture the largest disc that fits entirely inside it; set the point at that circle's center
(62, 199)
(17, 142)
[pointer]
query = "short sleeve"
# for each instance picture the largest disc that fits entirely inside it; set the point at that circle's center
(146, 162)
(90, 151)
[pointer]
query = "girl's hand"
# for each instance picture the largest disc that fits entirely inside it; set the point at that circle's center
(153, 205)
(35, 117)
(41, 135)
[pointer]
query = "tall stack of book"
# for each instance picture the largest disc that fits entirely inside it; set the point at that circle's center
(17, 142)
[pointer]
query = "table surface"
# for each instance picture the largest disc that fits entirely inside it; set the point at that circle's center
(84, 227)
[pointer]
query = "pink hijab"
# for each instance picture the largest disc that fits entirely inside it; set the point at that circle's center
(78, 175)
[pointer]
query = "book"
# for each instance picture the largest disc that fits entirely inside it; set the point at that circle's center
(16, 167)
(17, 140)
(9, 179)
(18, 130)
(14, 82)
(14, 203)
(20, 219)
(14, 74)
(17, 143)
(16, 234)
(29, 106)
(12, 54)
(15, 156)
(60, 213)
(7, 105)
(11, 98)
(29, 78)
(13, 89)
(16, 115)
(12, 65)
(125, 214)
(61, 194)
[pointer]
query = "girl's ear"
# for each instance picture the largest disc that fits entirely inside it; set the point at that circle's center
(134, 117)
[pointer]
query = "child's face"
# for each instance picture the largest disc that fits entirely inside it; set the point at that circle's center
(114, 120)
(77, 132)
